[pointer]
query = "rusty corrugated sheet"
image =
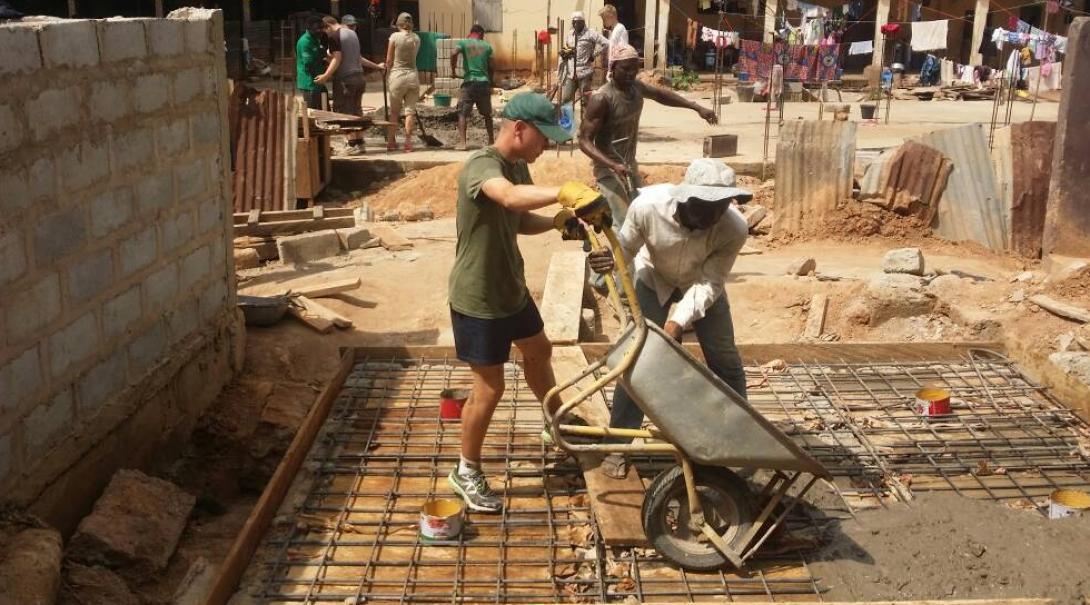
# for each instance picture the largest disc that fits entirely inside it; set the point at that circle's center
(1022, 159)
(259, 148)
(909, 180)
(970, 209)
(814, 169)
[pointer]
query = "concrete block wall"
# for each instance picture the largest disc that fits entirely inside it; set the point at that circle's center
(115, 227)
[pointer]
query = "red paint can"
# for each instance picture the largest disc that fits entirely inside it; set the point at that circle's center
(451, 402)
(932, 402)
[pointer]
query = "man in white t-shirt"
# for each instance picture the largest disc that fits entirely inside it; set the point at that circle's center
(612, 28)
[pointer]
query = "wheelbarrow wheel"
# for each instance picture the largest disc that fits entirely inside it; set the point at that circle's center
(728, 507)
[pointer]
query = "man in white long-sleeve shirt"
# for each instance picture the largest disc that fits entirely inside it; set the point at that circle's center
(684, 240)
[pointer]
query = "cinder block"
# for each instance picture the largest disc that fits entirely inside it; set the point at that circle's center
(73, 345)
(166, 37)
(29, 309)
(14, 192)
(160, 288)
(138, 251)
(194, 267)
(120, 313)
(59, 234)
(189, 179)
(132, 150)
(110, 100)
(172, 140)
(188, 85)
(19, 47)
(12, 256)
(206, 129)
(47, 421)
(41, 179)
(122, 40)
(176, 231)
(53, 110)
(12, 131)
(91, 275)
(146, 350)
(110, 210)
(219, 258)
(102, 382)
(198, 35)
(354, 238)
(210, 215)
(69, 44)
(84, 164)
(20, 378)
(151, 93)
(155, 192)
(213, 300)
(307, 247)
(183, 320)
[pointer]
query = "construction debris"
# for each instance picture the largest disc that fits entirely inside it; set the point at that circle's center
(30, 566)
(815, 320)
(903, 260)
(1061, 309)
(355, 237)
(802, 266)
(134, 527)
(247, 258)
(1082, 336)
(753, 213)
(888, 296)
(95, 584)
(308, 247)
(908, 180)
(391, 239)
(317, 316)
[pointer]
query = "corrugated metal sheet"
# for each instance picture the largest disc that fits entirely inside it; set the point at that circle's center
(1003, 165)
(971, 209)
(814, 170)
(909, 180)
(871, 184)
(259, 126)
(1022, 159)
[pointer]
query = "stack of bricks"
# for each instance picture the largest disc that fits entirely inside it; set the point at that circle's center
(445, 82)
(115, 230)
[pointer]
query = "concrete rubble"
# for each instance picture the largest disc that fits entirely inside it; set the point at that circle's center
(135, 525)
(308, 247)
(96, 584)
(30, 566)
(888, 296)
(802, 266)
(903, 260)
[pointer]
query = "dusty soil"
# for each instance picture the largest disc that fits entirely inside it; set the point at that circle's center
(945, 546)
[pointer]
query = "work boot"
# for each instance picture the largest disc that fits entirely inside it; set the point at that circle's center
(615, 465)
(474, 489)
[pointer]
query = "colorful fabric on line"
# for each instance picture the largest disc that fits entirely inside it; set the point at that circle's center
(799, 62)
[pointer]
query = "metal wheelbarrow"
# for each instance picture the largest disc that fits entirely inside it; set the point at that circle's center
(700, 514)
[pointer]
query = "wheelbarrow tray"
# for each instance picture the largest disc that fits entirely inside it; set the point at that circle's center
(699, 413)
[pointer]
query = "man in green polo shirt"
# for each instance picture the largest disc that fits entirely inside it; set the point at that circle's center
(490, 307)
(477, 81)
(309, 64)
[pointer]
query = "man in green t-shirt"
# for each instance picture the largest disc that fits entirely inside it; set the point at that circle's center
(309, 63)
(490, 307)
(477, 81)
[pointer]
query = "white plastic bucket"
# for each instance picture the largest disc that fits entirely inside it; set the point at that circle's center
(1067, 503)
(441, 519)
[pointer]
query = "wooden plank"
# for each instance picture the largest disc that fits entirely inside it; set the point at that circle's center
(562, 302)
(293, 227)
(815, 321)
(254, 217)
(317, 212)
(243, 218)
(1061, 309)
(328, 288)
(390, 238)
(313, 309)
(615, 503)
(247, 540)
(322, 325)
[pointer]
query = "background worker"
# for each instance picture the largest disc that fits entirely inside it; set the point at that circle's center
(576, 70)
(350, 22)
(683, 241)
(612, 28)
(477, 78)
(610, 130)
(309, 62)
(345, 70)
(490, 306)
(403, 82)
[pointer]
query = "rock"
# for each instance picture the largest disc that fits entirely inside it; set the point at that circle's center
(356, 237)
(903, 260)
(1082, 336)
(753, 213)
(1024, 277)
(1072, 271)
(196, 585)
(1018, 296)
(764, 227)
(97, 585)
(247, 258)
(1065, 342)
(896, 295)
(308, 247)
(802, 266)
(135, 525)
(947, 283)
(589, 324)
(30, 567)
(1075, 364)
(415, 212)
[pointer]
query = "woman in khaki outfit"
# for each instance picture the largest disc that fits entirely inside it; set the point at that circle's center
(403, 82)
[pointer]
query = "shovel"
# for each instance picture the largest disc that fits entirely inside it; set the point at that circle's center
(427, 139)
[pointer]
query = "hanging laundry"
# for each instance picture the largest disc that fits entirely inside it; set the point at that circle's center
(864, 47)
(929, 35)
(946, 72)
(1023, 27)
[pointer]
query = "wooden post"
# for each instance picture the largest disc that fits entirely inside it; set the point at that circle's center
(159, 9)
(880, 19)
(335, 8)
(71, 9)
(661, 26)
(245, 12)
(771, 6)
(650, 16)
(980, 19)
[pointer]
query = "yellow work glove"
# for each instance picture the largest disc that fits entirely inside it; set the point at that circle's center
(568, 225)
(585, 202)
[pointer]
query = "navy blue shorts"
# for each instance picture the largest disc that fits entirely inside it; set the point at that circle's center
(487, 342)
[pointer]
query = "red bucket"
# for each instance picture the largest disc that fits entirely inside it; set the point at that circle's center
(451, 402)
(932, 402)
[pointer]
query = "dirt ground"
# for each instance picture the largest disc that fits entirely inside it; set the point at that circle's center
(916, 553)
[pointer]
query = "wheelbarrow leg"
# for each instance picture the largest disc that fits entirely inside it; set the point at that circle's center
(697, 524)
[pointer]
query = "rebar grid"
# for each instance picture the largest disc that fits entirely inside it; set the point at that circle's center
(383, 452)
